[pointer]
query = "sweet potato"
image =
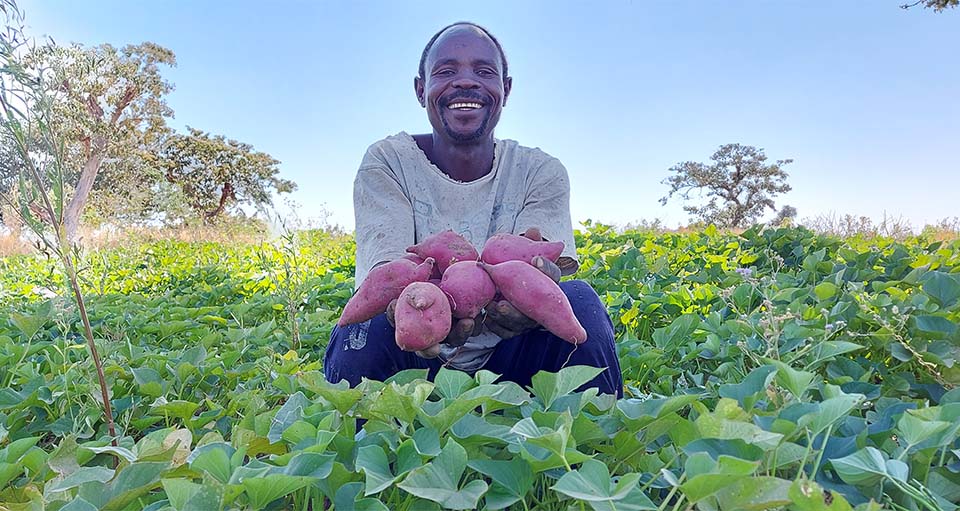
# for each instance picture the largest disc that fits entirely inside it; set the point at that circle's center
(511, 247)
(538, 297)
(446, 248)
(383, 285)
(417, 259)
(422, 318)
(469, 288)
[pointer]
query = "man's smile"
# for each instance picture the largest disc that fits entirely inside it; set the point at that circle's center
(464, 106)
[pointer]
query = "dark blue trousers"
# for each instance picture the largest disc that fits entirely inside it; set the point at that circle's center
(368, 349)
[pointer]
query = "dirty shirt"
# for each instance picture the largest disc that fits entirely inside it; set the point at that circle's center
(400, 198)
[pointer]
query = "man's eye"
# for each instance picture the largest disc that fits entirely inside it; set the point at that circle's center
(485, 72)
(444, 72)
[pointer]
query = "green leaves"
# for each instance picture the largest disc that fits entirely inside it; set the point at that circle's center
(743, 375)
(287, 415)
(829, 412)
(592, 483)
(942, 287)
(376, 468)
(726, 471)
(866, 467)
(512, 480)
(747, 392)
(264, 490)
(809, 496)
(439, 480)
(550, 386)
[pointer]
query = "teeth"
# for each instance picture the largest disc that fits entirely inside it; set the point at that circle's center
(465, 105)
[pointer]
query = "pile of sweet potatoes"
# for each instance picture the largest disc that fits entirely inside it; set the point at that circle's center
(445, 278)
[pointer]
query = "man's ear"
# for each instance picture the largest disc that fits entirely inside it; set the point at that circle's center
(418, 89)
(507, 85)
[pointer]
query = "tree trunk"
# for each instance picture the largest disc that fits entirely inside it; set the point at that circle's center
(71, 220)
(226, 193)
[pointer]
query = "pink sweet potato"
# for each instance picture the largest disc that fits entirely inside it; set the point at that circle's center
(383, 285)
(422, 318)
(538, 297)
(469, 288)
(446, 248)
(435, 275)
(511, 247)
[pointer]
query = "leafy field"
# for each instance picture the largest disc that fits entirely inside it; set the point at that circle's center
(769, 370)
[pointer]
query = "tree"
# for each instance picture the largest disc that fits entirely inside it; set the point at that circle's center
(739, 185)
(785, 216)
(216, 174)
(936, 5)
(107, 105)
(134, 189)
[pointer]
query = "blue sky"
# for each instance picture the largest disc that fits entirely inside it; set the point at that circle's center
(864, 96)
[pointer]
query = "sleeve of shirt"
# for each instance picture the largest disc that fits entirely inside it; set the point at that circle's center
(384, 217)
(547, 207)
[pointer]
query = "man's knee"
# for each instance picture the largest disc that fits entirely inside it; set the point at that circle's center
(580, 292)
(586, 305)
(356, 351)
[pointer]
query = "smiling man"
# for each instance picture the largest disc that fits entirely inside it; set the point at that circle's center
(460, 177)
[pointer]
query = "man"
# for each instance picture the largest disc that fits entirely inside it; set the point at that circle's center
(460, 177)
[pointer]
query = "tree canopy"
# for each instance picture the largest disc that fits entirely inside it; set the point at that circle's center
(738, 186)
(936, 5)
(216, 173)
(108, 104)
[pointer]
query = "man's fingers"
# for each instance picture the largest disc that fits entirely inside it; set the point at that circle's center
(500, 331)
(533, 233)
(507, 315)
(506, 321)
(547, 267)
(431, 352)
(478, 324)
(391, 312)
(461, 330)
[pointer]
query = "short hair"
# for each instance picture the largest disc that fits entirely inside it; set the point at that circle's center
(423, 56)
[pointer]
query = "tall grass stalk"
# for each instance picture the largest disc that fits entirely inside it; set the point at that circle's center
(39, 162)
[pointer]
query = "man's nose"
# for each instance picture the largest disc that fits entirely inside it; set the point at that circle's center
(465, 82)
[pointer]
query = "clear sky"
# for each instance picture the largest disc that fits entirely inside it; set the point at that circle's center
(864, 96)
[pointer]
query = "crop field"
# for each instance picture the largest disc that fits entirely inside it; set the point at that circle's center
(771, 369)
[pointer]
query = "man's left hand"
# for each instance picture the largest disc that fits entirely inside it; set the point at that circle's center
(503, 318)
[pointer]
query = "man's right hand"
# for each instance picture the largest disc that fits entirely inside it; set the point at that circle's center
(460, 331)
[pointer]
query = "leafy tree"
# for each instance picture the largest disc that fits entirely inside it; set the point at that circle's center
(216, 174)
(785, 216)
(936, 5)
(134, 189)
(739, 185)
(107, 106)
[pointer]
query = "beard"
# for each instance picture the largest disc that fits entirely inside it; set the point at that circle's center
(466, 137)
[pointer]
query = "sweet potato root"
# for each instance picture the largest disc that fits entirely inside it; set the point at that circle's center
(511, 247)
(469, 288)
(423, 317)
(538, 297)
(445, 248)
(383, 285)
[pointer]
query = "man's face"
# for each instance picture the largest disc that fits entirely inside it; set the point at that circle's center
(463, 87)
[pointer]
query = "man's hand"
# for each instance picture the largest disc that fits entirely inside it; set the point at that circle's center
(503, 318)
(460, 331)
